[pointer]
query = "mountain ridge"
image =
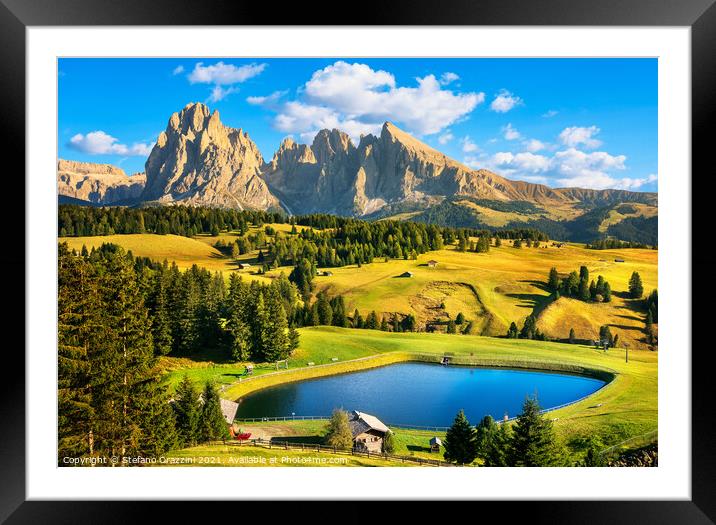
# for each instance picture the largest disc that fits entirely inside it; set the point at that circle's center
(197, 160)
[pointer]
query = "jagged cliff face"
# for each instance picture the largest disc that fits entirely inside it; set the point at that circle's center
(334, 176)
(198, 160)
(97, 183)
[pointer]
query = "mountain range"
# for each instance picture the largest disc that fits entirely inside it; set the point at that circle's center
(197, 160)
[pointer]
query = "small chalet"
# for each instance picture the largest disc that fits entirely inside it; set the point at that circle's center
(406, 274)
(244, 266)
(435, 444)
(432, 264)
(228, 409)
(368, 432)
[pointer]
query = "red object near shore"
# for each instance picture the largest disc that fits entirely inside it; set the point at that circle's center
(243, 437)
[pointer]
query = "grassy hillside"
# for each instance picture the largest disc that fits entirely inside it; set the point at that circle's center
(254, 456)
(625, 408)
(491, 290)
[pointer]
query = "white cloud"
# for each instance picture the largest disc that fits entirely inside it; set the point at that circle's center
(218, 93)
(448, 77)
(101, 143)
(510, 133)
(223, 74)
(178, 70)
(468, 146)
(575, 135)
(573, 161)
(358, 97)
(570, 167)
(445, 137)
(504, 101)
(549, 114)
(520, 162)
(268, 100)
(534, 145)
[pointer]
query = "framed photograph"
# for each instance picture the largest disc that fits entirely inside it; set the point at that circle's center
(260, 259)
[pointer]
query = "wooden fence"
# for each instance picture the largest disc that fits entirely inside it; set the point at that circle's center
(316, 447)
(634, 442)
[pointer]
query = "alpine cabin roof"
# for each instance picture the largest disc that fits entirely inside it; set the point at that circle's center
(361, 422)
(228, 409)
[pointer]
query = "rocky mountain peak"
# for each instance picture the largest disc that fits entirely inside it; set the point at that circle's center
(199, 160)
(329, 143)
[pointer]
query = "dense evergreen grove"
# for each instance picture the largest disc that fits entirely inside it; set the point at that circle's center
(578, 286)
(616, 244)
(529, 442)
(115, 316)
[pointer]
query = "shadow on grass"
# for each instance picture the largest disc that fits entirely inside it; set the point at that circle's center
(626, 327)
(293, 440)
(630, 317)
(416, 448)
(529, 300)
(537, 284)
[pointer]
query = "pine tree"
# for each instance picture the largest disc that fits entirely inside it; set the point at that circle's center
(607, 292)
(572, 336)
(553, 280)
(636, 288)
(78, 330)
(451, 328)
(512, 332)
(460, 318)
(529, 329)
(212, 425)
(161, 326)
(389, 442)
(339, 432)
(325, 312)
(493, 442)
(188, 412)
(605, 335)
(357, 319)
(534, 443)
(123, 387)
(276, 344)
(584, 294)
(371, 322)
(460, 441)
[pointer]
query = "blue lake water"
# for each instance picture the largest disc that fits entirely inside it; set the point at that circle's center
(419, 393)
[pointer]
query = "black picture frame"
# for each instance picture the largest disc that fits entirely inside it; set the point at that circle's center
(699, 15)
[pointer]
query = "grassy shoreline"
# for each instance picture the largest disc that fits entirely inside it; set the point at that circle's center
(247, 386)
(625, 407)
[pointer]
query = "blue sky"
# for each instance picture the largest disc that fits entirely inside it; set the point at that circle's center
(562, 122)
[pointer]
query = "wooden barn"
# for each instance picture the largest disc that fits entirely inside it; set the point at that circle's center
(435, 444)
(244, 266)
(432, 263)
(406, 274)
(368, 432)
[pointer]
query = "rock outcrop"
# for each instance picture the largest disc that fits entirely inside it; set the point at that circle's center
(334, 176)
(197, 160)
(97, 183)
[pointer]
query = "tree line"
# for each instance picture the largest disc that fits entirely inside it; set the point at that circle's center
(529, 442)
(616, 244)
(577, 286)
